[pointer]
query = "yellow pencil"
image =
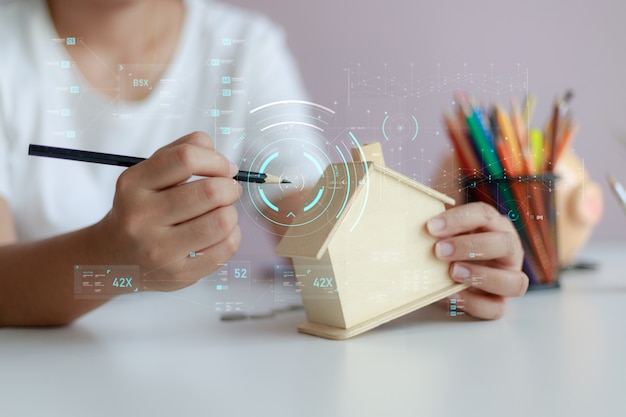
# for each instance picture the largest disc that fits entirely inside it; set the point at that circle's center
(536, 150)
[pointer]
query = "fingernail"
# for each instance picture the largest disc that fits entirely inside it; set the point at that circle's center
(460, 273)
(444, 249)
(233, 169)
(435, 224)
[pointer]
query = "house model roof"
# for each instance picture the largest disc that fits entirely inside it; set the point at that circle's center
(341, 197)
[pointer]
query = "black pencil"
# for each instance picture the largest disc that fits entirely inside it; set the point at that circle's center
(128, 161)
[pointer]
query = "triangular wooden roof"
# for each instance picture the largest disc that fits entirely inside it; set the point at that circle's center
(341, 184)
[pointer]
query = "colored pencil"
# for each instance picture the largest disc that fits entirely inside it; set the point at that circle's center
(502, 150)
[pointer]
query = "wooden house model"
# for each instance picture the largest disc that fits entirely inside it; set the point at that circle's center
(362, 256)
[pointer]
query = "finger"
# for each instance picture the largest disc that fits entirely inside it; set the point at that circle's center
(179, 163)
(468, 218)
(200, 139)
(481, 304)
(219, 253)
(192, 199)
(503, 246)
(194, 264)
(491, 280)
(204, 231)
(207, 260)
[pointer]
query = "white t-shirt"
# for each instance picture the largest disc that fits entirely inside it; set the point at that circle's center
(228, 63)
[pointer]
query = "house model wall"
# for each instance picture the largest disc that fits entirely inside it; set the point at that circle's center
(367, 258)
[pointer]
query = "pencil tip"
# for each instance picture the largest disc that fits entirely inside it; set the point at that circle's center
(285, 182)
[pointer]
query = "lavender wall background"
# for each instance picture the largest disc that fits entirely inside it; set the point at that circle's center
(501, 46)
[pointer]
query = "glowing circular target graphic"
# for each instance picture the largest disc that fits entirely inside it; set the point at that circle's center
(400, 127)
(289, 158)
(513, 216)
(288, 139)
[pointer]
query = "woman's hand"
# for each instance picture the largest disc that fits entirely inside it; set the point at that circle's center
(178, 231)
(485, 251)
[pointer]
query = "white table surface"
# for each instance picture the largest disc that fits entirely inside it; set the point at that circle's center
(555, 353)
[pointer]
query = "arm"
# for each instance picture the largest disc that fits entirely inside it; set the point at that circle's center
(7, 227)
(156, 220)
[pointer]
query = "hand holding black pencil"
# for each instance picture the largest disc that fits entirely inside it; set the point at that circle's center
(128, 161)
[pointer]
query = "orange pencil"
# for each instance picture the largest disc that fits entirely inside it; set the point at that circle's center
(519, 164)
(506, 158)
(520, 129)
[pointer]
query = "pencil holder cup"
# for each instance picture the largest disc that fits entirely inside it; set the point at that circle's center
(529, 203)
